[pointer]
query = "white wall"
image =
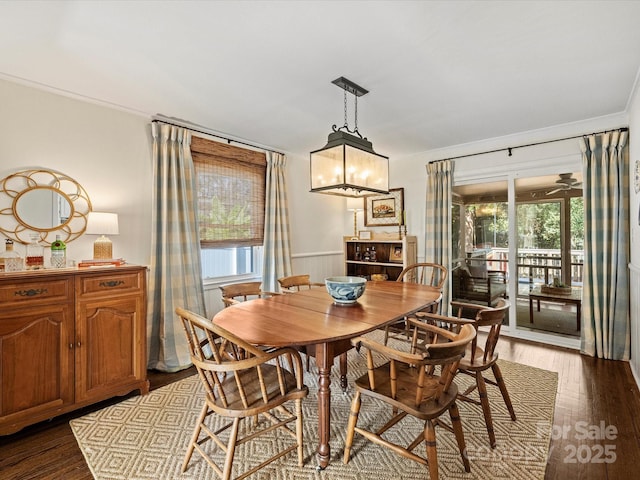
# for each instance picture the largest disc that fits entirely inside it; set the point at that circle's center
(105, 150)
(108, 152)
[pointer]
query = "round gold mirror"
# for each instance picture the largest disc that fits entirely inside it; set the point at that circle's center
(45, 202)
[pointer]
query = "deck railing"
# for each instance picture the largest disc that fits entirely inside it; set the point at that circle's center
(535, 266)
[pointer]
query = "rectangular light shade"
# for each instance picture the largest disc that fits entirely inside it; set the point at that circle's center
(355, 204)
(101, 223)
(348, 166)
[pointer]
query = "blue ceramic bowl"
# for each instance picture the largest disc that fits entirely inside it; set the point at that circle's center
(345, 290)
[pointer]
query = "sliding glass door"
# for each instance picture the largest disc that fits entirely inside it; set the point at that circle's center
(480, 269)
(550, 239)
(522, 238)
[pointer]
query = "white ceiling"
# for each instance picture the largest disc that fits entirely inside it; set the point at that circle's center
(440, 73)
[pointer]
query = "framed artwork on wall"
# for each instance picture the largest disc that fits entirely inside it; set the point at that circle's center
(381, 210)
(395, 254)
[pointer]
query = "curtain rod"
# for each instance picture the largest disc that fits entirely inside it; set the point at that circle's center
(509, 149)
(205, 132)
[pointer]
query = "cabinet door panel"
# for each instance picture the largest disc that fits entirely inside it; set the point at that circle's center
(108, 355)
(36, 361)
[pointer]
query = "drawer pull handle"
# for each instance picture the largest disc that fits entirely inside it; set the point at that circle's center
(71, 346)
(32, 292)
(112, 283)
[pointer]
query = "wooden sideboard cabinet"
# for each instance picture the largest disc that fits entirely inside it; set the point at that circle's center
(69, 338)
(392, 255)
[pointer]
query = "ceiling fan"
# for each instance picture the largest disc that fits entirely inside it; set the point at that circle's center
(565, 182)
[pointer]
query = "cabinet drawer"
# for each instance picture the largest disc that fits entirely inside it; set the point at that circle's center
(35, 292)
(120, 283)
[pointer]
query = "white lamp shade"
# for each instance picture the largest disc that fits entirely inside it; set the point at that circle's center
(354, 204)
(101, 223)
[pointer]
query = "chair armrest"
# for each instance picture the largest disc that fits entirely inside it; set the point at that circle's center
(387, 352)
(498, 276)
(470, 306)
(444, 318)
(267, 294)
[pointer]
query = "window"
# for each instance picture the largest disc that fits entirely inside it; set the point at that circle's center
(231, 193)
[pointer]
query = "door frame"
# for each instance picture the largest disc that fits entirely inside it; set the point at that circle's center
(514, 172)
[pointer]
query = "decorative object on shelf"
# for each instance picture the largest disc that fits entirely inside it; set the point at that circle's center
(11, 260)
(58, 253)
(45, 202)
(355, 205)
(365, 235)
(103, 224)
(395, 254)
(347, 165)
(385, 209)
(557, 287)
(556, 290)
(102, 262)
(345, 289)
(35, 253)
(379, 277)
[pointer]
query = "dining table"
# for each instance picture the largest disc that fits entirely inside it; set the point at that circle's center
(311, 318)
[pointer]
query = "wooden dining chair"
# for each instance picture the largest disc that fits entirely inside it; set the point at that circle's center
(480, 358)
(242, 381)
(241, 292)
(430, 274)
(295, 283)
(407, 382)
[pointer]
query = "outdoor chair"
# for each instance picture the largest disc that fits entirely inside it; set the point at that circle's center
(242, 381)
(477, 359)
(407, 382)
(473, 282)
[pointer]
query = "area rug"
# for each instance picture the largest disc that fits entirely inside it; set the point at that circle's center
(552, 317)
(145, 437)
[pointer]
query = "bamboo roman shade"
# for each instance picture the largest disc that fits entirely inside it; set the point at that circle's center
(231, 193)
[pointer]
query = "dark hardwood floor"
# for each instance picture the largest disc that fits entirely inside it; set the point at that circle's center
(596, 427)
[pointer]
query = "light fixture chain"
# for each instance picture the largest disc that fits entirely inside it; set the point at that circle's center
(346, 124)
(356, 113)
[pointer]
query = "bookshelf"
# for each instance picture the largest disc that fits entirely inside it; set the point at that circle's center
(391, 256)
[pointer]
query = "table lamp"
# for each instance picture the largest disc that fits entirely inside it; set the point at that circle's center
(355, 205)
(103, 224)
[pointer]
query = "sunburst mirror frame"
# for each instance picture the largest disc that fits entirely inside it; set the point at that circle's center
(14, 187)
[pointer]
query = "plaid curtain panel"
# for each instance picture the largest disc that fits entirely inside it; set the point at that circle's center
(605, 303)
(277, 243)
(438, 220)
(175, 278)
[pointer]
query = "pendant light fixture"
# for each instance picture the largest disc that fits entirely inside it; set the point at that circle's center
(347, 165)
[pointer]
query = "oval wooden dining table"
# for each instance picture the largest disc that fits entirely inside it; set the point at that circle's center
(311, 318)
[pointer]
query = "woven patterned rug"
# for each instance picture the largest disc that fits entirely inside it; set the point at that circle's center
(145, 437)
